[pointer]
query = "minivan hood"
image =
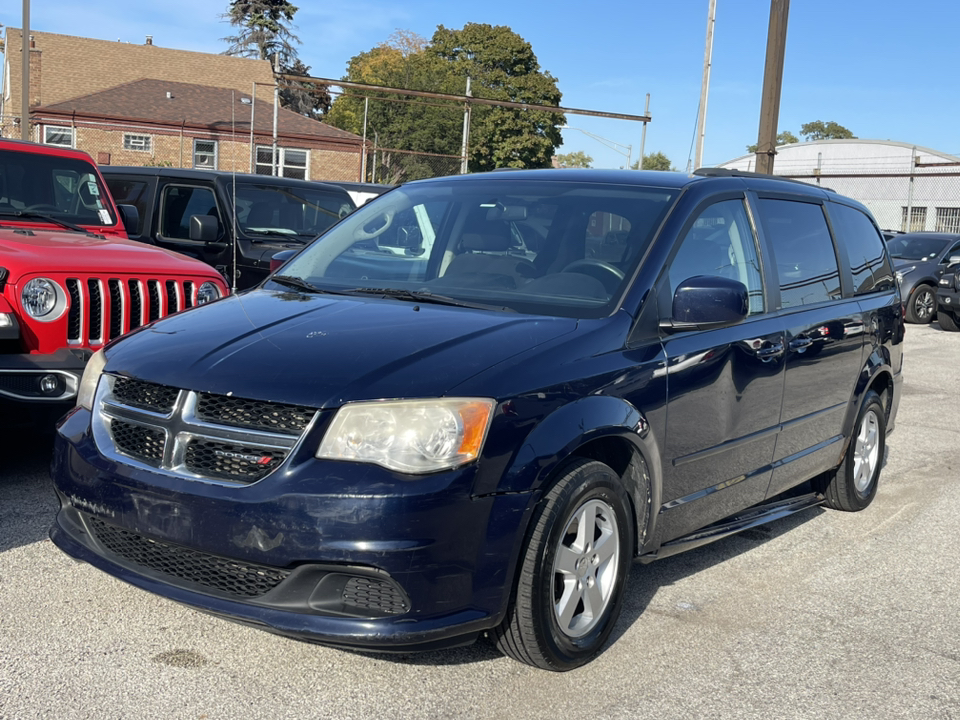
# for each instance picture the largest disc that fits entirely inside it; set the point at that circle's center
(36, 250)
(322, 350)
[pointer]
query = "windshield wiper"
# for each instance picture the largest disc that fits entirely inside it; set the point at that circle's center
(426, 297)
(301, 284)
(50, 219)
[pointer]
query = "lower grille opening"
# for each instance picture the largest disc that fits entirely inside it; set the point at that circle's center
(230, 577)
(372, 594)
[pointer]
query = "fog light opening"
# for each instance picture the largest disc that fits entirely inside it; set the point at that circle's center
(51, 385)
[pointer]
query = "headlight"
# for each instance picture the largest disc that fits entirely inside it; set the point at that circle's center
(409, 436)
(43, 299)
(904, 271)
(208, 292)
(91, 376)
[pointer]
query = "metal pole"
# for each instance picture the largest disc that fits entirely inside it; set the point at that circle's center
(465, 146)
(253, 104)
(376, 141)
(25, 75)
(819, 166)
(772, 82)
(908, 225)
(276, 106)
(363, 162)
(705, 85)
(643, 135)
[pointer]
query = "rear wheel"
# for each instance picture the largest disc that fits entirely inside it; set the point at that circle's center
(947, 321)
(573, 571)
(922, 305)
(853, 485)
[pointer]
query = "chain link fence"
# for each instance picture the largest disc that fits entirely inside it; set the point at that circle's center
(902, 192)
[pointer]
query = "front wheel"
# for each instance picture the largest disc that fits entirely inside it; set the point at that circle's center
(947, 321)
(573, 571)
(853, 485)
(922, 305)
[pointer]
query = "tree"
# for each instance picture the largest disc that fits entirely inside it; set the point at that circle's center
(264, 33)
(576, 159)
(819, 130)
(784, 138)
(501, 66)
(654, 161)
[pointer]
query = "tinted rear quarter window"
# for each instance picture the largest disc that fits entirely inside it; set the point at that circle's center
(806, 262)
(869, 264)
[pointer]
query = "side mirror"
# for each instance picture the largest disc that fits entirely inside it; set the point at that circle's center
(280, 258)
(706, 301)
(953, 260)
(204, 228)
(130, 218)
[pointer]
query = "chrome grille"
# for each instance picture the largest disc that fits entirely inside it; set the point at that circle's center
(102, 309)
(161, 428)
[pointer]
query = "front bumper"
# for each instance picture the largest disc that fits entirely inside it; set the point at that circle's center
(21, 376)
(405, 565)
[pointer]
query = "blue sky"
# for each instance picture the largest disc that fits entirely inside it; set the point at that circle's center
(885, 70)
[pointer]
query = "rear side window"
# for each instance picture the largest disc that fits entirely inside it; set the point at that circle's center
(806, 261)
(130, 192)
(868, 262)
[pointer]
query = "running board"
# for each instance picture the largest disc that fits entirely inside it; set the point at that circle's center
(758, 515)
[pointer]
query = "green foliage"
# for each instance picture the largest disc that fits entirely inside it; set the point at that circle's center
(654, 161)
(576, 159)
(263, 32)
(501, 66)
(819, 130)
(784, 138)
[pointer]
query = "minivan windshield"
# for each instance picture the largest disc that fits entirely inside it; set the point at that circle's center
(293, 212)
(563, 248)
(48, 188)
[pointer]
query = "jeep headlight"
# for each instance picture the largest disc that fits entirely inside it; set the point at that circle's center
(91, 376)
(208, 292)
(409, 436)
(43, 299)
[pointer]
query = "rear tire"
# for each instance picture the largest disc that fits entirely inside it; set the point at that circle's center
(853, 485)
(922, 305)
(572, 571)
(947, 321)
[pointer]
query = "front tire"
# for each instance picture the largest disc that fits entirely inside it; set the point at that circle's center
(853, 485)
(572, 572)
(947, 321)
(922, 305)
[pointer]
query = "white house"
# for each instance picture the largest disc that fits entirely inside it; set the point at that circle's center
(895, 180)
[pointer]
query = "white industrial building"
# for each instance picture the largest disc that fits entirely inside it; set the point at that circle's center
(895, 180)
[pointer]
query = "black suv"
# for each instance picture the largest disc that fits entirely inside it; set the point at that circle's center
(470, 405)
(190, 211)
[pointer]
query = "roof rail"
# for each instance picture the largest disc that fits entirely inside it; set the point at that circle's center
(730, 172)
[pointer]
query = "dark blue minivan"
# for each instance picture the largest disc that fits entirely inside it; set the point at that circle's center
(471, 404)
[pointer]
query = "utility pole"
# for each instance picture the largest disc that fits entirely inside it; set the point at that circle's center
(465, 147)
(643, 136)
(25, 74)
(705, 84)
(276, 107)
(772, 83)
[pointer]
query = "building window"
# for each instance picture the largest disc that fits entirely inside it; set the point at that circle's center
(948, 220)
(142, 143)
(205, 154)
(55, 135)
(918, 219)
(291, 163)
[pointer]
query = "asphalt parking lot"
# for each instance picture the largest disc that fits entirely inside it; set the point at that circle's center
(821, 615)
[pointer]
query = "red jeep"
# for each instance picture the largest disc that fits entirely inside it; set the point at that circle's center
(70, 281)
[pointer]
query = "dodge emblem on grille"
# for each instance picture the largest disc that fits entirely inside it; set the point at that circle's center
(257, 459)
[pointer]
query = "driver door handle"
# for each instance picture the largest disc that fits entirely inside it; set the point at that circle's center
(800, 343)
(770, 352)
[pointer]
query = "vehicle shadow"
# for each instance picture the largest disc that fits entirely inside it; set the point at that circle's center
(644, 583)
(27, 500)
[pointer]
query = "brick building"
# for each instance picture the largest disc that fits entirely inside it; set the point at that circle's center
(148, 105)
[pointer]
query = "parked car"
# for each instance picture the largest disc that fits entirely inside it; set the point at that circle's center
(272, 214)
(916, 259)
(948, 293)
(400, 452)
(70, 281)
